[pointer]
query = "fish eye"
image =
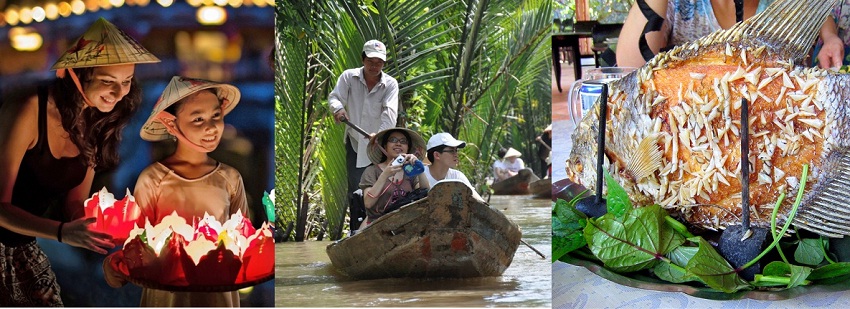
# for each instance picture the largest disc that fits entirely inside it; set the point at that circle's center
(577, 166)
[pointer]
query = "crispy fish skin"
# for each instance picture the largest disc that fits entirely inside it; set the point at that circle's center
(685, 106)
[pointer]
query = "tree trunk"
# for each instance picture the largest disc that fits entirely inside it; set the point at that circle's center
(336, 234)
(301, 226)
(288, 231)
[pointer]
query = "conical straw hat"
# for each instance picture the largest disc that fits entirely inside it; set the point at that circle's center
(179, 88)
(373, 150)
(103, 44)
(513, 153)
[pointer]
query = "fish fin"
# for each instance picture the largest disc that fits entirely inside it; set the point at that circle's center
(825, 208)
(646, 159)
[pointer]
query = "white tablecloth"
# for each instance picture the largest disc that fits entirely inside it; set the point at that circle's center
(576, 287)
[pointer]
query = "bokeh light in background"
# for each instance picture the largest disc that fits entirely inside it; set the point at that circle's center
(51, 10)
(38, 14)
(211, 15)
(25, 39)
(25, 15)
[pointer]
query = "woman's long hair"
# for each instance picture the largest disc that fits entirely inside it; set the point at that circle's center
(96, 134)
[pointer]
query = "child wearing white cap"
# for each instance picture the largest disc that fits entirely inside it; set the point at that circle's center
(188, 181)
(50, 145)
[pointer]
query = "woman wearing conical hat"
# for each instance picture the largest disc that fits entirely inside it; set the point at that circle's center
(384, 182)
(50, 145)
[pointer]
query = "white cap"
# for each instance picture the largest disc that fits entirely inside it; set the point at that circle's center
(446, 139)
(375, 49)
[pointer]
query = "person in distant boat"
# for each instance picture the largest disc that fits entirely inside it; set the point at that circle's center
(383, 182)
(544, 151)
(655, 25)
(366, 97)
(499, 164)
(511, 164)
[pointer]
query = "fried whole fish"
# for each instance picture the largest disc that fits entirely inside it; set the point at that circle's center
(673, 126)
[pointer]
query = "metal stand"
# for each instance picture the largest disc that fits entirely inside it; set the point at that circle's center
(741, 243)
(595, 206)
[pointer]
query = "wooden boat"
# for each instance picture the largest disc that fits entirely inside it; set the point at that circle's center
(516, 185)
(447, 234)
(541, 188)
(567, 190)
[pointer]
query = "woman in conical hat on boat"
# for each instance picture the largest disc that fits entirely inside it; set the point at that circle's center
(50, 145)
(383, 182)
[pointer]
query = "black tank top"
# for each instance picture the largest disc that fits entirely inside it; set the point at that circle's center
(42, 179)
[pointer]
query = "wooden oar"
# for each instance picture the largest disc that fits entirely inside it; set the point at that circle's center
(356, 128)
(543, 143)
(532, 248)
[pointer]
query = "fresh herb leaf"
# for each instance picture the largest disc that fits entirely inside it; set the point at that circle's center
(809, 251)
(830, 271)
(567, 229)
(799, 275)
(713, 269)
(776, 268)
(674, 271)
(617, 199)
(636, 242)
(682, 255)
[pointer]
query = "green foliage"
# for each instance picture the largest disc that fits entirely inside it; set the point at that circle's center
(617, 199)
(609, 11)
(710, 267)
(461, 66)
(633, 242)
(648, 238)
(809, 251)
(675, 271)
(567, 229)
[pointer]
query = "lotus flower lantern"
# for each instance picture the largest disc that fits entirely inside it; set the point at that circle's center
(207, 253)
(114, 217)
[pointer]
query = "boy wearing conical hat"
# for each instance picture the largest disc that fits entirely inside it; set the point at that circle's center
(188, 181)
(50, 145)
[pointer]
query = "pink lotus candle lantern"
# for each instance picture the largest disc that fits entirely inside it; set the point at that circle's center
(115, 217)
(209, 254)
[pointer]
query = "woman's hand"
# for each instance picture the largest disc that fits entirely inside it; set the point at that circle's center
(112, 277)
(832, 53)
(77, 233)
(390, 170)
(410, 158)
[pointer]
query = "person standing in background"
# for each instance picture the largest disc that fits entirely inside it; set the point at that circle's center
(366, 97)
(832, 47)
